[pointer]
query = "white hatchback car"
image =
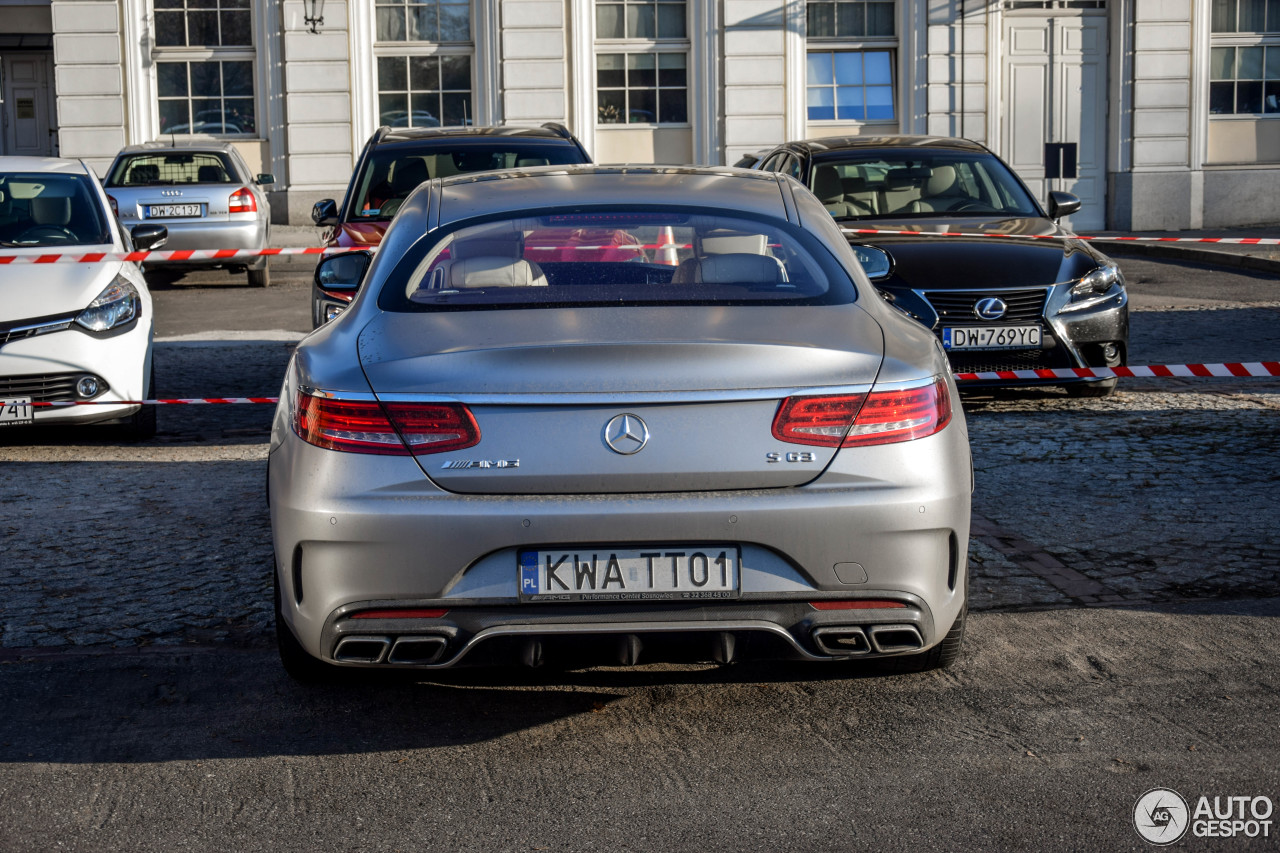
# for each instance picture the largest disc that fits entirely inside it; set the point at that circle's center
(70, 332)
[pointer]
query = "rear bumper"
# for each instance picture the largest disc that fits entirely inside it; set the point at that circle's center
(249, 234)
(353, 532)
(789, 630)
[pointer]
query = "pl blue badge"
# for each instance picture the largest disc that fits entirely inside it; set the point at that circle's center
(529, 573)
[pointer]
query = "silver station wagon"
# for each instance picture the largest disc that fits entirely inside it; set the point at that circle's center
(599, 415)
(203, 193)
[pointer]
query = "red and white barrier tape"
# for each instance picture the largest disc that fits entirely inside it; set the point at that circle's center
(170, 255)
(1228, 241)
(247, 254)
(1153, 371)
(172, 401)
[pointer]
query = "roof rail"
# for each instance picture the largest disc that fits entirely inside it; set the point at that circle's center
(381, 132)
(558, 129)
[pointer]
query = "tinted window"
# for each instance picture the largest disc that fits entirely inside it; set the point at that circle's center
(617, 258)
(914, 183)
(44, 209)
(163, 168)
(391, 174)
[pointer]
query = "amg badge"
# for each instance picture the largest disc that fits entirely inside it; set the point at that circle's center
(481, 463)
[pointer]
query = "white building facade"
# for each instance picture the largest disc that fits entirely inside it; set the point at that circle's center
(1159, 114)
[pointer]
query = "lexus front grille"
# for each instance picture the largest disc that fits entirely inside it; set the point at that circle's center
(955, 307)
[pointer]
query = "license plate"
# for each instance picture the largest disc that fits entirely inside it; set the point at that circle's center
(16, 411)
(674, 573)
(991, 337)
(173, 211)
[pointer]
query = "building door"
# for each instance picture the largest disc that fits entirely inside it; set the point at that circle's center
(27, 113)
(1055, 91)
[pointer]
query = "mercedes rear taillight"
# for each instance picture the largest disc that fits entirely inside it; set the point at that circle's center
(385, 429)
(242, 201)
(859, 420)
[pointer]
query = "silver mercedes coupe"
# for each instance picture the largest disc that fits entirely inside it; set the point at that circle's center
(593, 415)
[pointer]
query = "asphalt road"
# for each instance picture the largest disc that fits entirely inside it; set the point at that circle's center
(1124, 637)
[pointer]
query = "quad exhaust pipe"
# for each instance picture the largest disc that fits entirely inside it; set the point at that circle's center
(852, 640)
(416, 650)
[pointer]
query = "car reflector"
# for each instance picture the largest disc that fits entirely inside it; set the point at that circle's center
(856, 604)
(396, 429)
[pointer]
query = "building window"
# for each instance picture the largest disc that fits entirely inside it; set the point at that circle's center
(641, 19)
(850, 85)
(1244, 62)
(642, 88)
(204, 60)
(642, 62)
(1246, 16)
(424, 58)
(850, 63)
(850, 18)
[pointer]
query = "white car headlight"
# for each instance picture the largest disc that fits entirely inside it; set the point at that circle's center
(117, 305)
(1098, 286)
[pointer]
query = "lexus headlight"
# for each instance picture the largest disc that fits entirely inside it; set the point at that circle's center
(116, 306)
(1098, 286)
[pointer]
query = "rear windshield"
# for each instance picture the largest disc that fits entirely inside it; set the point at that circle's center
(918, 184)
(617, 258)
(390, 175)
(159, 169)
(43, 209)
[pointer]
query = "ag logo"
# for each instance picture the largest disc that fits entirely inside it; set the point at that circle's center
(1161, 816)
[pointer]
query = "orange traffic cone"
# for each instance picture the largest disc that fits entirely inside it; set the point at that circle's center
(667, 253)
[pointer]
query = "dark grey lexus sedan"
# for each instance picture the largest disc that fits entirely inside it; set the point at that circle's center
(616, 415)
(1020, 302)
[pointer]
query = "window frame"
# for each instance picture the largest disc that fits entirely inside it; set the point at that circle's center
(409, 49)
(199, 54)
(1236, 40)
(631, 46)
(833, 44)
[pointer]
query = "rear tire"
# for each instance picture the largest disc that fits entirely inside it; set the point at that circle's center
(297, 661)
(260, 278)
(940, 656)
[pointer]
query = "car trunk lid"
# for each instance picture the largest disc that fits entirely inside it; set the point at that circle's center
(591, 401)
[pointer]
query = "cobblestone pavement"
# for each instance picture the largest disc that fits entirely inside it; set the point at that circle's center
(1168, 491)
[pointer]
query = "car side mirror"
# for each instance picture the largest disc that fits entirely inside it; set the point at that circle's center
(265, 178)
(1062, 204)
(876, 263)
(325, 212)
(343, 272)
(148, 237)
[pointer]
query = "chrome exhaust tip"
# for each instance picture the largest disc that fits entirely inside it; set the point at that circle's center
(842, 640)
(362, 649)
(723, 647)
(896, 638)
(629, 648)
(531, 655)
(417, 651)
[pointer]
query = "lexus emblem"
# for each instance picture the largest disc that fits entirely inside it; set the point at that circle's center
(990, 308)
(626, 434)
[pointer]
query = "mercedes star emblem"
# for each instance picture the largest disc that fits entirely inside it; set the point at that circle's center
(626, 434)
